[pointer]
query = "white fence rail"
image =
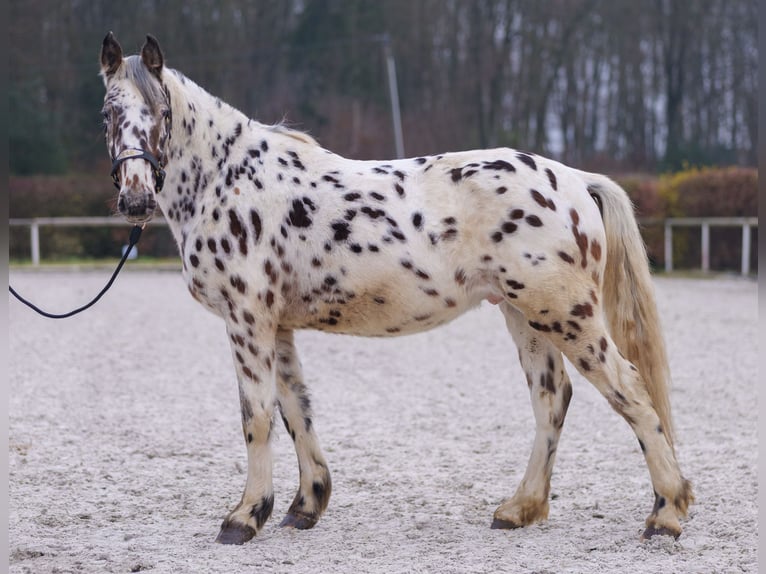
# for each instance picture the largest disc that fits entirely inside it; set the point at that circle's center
(705, 223)
(36, 223)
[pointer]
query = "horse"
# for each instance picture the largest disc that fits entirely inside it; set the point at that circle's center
(277, 233)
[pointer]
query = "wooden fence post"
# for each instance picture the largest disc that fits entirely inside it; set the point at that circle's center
(705, 239)
(34, 236)
(745, 249)
(668, 247)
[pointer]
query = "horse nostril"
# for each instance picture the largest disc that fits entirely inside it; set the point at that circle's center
(121, 204)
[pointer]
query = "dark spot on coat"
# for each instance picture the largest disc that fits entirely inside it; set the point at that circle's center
(527, 159)
(533, 220)
(540, 327)
(235, 225)
(575, 216)
(539, 198)
(546, 382)
(509, 227)
(551, 178)
(237, 282)
(582, 311)
(595, 250)
(341, 229)
(498, 165)
(261, 511)
(566, 257)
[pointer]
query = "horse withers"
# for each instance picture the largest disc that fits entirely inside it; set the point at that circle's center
(278, 234)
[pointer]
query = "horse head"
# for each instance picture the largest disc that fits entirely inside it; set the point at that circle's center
(137, 125)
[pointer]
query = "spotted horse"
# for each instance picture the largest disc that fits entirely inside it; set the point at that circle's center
(278, 234)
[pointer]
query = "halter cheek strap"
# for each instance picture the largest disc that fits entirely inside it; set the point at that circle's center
(134, 153)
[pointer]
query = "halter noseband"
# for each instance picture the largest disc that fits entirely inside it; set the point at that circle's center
(133, 153)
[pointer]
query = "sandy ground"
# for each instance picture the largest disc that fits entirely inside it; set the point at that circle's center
(126, 449)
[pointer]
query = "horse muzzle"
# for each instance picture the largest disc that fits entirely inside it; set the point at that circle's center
(137, 206)
(136, 202)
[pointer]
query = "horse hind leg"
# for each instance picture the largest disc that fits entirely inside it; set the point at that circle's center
(584, 340)
(550, 391)
(294, 404)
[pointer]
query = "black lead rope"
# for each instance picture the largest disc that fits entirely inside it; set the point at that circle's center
(135, 235)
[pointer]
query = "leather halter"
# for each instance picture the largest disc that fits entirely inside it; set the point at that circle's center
(135, 153)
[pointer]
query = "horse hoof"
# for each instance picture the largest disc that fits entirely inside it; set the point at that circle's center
(652, 531)
(233, 533)
(500, 524)
(299, 521)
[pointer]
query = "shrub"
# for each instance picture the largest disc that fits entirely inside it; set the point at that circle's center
(711, 192)
(68, 196)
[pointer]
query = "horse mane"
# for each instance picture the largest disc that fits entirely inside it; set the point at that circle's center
(152, 91)
(291, 133)
(134, 70)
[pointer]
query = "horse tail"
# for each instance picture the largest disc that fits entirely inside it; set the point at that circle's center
(628, 294)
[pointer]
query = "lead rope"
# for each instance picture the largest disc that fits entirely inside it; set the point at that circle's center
(135, 235)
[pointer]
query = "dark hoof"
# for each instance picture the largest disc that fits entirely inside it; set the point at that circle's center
(299, 521)
(651, 531)
(233, 533)
(500, 524)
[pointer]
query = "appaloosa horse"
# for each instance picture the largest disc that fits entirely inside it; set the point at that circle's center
(277, 234)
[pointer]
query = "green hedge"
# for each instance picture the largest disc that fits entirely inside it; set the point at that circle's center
(75, 195)
(697, 192)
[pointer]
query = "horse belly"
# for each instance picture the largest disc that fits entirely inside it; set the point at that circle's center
(382, 310)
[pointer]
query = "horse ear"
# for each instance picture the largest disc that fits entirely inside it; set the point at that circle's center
(151, 55)
(111, 55)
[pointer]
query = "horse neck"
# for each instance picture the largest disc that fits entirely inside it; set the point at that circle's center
(200, 122)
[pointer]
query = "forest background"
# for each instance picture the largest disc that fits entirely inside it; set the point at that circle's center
(660, 94)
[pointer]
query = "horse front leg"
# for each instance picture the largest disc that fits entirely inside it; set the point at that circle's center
(254, 360)
(295, 406)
